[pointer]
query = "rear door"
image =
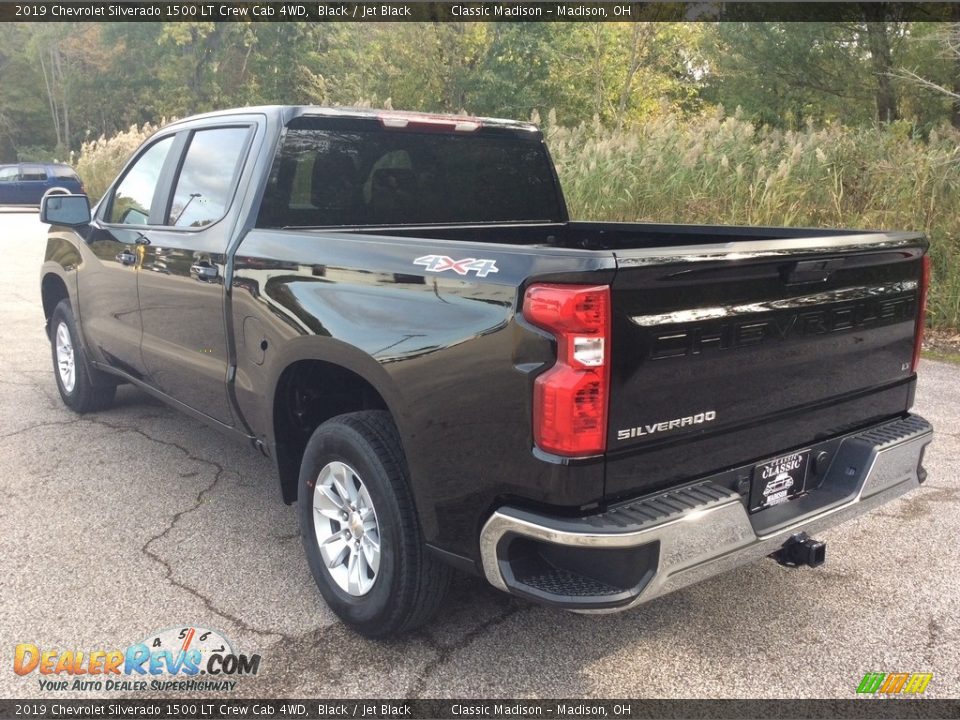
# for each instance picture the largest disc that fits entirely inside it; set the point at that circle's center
(730, 355)
(181, 283)
(32, 184)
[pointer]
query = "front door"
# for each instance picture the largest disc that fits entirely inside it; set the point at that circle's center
(9, 185)
(111, 312)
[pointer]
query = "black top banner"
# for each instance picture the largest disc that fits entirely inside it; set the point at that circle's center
(330, 709)
(413, 11)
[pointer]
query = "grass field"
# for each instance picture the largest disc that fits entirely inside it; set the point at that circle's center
(721, 169)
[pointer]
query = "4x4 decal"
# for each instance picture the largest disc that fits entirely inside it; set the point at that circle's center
(440, 263)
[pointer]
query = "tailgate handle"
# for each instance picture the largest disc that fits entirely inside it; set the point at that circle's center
(809, 271)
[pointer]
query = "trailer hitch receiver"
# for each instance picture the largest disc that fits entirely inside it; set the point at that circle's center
(801, 549)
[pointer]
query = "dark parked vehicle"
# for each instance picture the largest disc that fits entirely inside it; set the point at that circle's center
(27, 183)
(450, 373)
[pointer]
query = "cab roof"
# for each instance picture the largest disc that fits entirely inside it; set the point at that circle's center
(286, 113)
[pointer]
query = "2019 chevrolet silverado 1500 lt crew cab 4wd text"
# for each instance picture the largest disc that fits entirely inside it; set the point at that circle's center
(450, 373)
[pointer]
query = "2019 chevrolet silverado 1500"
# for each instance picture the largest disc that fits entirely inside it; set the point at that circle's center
(450, 373)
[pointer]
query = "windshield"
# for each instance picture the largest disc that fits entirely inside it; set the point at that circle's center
(326, 175)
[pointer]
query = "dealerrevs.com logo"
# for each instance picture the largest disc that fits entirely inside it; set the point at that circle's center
(191, 659)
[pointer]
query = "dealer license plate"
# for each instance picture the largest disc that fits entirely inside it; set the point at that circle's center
(779, 480)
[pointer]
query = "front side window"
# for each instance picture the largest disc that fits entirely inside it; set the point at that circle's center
(8, 174)
(134, 195)
(207, 178)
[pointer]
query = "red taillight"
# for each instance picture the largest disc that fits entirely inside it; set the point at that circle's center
(570, 399)
(921, 312)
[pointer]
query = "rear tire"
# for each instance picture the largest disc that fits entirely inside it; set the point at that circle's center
(364, 501)
(82, 388)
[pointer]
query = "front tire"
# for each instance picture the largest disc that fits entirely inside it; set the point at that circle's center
(82, 388)
(360, 530)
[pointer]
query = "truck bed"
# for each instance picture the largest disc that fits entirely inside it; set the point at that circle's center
(614, 235)
(786, 334)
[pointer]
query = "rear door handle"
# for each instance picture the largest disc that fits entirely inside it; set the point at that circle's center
(204, 272)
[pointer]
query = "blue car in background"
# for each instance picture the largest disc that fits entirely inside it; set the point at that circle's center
(26, 183)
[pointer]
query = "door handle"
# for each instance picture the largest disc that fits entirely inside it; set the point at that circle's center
(126, 257)
(204, 273)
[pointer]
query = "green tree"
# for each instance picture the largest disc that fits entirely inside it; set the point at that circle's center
(24, 113)
(930, 68)
(786, 73)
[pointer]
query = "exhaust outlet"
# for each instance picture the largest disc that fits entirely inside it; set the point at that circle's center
(801, 549)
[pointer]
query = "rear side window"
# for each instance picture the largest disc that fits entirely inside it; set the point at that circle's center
(207, 177)
(64, 173)
(8, 174)
(134, 195)
(330, 177)
(33, 172)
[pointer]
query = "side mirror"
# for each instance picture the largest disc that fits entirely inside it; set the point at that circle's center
(69, 210)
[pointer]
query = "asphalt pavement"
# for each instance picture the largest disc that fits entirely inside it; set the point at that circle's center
(136, 519)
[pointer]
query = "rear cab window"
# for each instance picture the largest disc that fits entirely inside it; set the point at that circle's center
(333, 172)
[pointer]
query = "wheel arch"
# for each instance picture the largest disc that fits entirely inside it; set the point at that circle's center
(314, 380)
(53, 289)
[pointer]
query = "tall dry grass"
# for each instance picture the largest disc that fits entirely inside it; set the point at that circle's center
(721, 169)
(101, 160)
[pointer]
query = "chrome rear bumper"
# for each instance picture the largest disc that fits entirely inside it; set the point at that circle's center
(688, 534)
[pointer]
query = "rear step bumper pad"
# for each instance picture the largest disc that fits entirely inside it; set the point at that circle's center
(688, 534)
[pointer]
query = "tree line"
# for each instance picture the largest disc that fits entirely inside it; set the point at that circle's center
(66, 83)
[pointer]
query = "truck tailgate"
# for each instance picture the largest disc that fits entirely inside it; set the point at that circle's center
(726, 354)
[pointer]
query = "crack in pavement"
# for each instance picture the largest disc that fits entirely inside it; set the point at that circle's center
(934, 631)
(54, 402)
(146, 550)
(37, 426)
(445, 652)
(948, 490)
(30, 371)
(287, 537)
(19, 384)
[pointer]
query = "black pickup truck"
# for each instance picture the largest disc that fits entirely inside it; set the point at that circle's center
(450, 373)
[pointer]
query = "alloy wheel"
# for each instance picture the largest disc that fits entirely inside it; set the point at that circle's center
(346, 528)
(66, 366)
